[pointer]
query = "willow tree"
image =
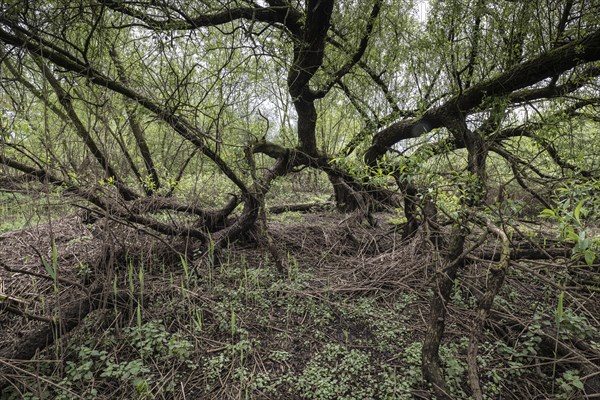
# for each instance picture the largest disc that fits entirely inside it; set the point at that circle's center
(117, 102)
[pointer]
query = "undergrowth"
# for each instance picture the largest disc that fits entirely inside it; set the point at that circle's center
(243, 332)
(334, 325)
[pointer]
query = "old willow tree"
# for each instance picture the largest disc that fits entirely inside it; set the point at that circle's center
(119, 102)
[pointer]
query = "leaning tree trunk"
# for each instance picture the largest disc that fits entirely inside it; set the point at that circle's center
(447, 271)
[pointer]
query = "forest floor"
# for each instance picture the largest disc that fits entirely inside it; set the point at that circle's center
(345, 320)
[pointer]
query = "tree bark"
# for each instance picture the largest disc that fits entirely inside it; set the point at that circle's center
(497, 272)
(473, 196)
(444, 282)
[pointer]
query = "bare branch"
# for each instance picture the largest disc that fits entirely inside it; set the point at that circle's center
(282, 14)
(356, 57)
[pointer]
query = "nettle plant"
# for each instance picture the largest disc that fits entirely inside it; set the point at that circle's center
(576, 210)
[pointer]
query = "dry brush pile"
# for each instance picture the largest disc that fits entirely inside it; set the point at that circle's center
(105, 311)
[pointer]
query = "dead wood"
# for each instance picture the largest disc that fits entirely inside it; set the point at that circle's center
(525, 251)
(303, 207)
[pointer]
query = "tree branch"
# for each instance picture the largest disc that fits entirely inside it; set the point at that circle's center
(356, 57)
(520, 76)
(283, 14)
(178, 123)
(65, 100)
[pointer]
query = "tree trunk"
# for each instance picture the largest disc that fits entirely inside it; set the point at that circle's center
(445, 276)
(345, 197)
(410, 209)
(447, 272)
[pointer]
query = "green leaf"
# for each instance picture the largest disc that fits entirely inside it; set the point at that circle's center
(577, 383)
(51, 271)
(54, 255)
(547, 213)
(571, 235)
(589, 257)
(583, 244)
(577, 212)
